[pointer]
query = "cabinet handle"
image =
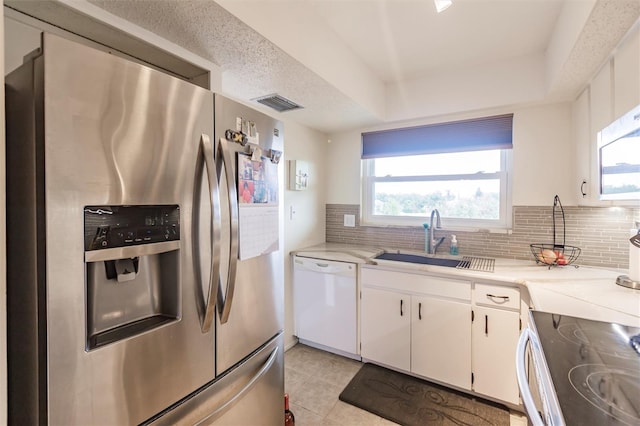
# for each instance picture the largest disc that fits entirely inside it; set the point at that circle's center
(420, 310)
(486, 324)
(493, 296)
(401, 311)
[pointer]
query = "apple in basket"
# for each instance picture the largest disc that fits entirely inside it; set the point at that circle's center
(561, 259)
(547, 256)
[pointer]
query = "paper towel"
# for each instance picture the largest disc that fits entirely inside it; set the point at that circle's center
(634, 258)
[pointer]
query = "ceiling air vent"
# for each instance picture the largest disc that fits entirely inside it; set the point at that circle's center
(278, 103)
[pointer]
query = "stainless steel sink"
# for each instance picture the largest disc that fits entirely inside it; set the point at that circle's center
(415, 258)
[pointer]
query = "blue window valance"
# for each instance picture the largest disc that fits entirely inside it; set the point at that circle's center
(468, 135)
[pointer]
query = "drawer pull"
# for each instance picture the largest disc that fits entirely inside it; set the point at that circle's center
(493, 296)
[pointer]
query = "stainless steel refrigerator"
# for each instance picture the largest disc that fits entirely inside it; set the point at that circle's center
(136, 290)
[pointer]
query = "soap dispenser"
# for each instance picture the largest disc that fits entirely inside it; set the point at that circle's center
(453, 249)
(426, 237)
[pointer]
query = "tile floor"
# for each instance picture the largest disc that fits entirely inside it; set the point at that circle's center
(314, 379)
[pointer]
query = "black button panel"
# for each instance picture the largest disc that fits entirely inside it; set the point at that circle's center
(121, 226)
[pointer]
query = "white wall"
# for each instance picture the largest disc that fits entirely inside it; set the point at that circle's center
(468, 89)
(343, 183)
(542, 156)
(308, 224)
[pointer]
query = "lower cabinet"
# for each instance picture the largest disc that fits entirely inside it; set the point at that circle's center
(385, 328)
(442, 329)
(441, 340)
(417, 323)
(495, 337)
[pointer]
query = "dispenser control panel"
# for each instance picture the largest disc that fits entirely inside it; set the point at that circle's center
(120, 226)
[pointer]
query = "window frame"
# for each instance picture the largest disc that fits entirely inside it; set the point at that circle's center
(502, 224)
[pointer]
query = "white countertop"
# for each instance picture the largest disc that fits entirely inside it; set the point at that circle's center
(586, 292)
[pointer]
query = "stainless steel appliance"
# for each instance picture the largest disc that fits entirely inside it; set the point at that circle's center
(127, 302)
(583, 371)
(619, 158)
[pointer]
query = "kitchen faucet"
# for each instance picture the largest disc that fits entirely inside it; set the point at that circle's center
(432, 245)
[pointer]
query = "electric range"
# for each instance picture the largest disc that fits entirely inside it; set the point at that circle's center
(588, 371)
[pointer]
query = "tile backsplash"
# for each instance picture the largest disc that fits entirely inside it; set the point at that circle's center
(601, 232)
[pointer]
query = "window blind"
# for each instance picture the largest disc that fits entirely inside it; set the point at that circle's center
(468, 135)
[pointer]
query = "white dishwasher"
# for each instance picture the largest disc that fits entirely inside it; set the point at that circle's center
(325, 304)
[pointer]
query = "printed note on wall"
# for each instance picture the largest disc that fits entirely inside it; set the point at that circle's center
(258, 220)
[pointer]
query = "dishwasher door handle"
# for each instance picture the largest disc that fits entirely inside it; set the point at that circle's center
(314, 265)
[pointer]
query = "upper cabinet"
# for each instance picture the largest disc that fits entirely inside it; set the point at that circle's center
(584, 153)
(626, 75)
(614, 91)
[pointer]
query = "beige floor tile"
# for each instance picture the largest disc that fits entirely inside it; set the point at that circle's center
(318, 396)
(294, 382)
(304, 417)
(347, 414)
(314, 379)
(518, 419)
(338, 371)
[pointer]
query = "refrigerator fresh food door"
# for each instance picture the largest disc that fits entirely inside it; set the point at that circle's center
(251, 293)
(109, 132)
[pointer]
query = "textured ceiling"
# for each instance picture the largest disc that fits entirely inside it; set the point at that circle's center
(292, 47)
(252, 66)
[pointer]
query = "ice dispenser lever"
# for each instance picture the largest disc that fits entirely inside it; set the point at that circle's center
(121, 270)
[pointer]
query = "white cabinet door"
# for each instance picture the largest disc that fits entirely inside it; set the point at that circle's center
(626, 65)
(441, 340)
(494, 340)
(584, 152)
(385, 331)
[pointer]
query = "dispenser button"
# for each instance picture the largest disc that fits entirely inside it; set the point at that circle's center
(101, 239)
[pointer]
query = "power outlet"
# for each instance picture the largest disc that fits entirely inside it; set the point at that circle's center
(350, 220)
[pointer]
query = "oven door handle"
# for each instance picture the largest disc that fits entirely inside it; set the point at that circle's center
(523, 382)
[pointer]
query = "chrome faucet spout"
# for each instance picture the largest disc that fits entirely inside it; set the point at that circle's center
(432, 245)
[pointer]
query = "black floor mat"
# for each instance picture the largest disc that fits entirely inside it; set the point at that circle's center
(411, 401)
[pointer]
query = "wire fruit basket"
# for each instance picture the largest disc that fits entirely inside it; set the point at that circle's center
(558, 253)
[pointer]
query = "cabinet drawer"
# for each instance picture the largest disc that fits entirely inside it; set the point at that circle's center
(496, 296)
(417, 284)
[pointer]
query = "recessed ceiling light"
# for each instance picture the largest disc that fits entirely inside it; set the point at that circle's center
(442, 5)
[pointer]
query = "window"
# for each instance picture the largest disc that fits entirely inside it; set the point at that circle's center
(464, 176)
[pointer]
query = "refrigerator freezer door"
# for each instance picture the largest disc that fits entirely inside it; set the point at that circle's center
(256, 311)
(250, 394)
(108, 132)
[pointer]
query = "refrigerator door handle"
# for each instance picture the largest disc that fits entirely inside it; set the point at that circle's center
(225, 159)
(223, 408)
(214, 197)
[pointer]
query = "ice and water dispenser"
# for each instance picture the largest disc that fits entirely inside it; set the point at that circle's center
(132, 270)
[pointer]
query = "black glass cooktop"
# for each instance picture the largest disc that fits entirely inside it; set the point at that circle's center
(595, 368)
